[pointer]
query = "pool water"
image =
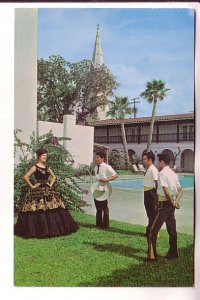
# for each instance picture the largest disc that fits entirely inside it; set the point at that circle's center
(186, 181)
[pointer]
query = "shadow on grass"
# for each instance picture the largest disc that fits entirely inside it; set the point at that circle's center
(114, 229)
(162, 273)
(119, 249)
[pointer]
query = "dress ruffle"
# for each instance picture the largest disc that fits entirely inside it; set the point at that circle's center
(45, 224)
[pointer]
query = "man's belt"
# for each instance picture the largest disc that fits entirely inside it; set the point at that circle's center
(161, 198)
(147, 188)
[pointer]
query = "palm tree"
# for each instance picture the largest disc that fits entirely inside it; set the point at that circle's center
(155, 90)
(118, 109)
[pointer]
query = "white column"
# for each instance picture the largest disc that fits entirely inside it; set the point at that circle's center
(25, 71)
(65, 128)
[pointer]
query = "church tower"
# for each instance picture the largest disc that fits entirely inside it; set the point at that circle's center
(97, 60)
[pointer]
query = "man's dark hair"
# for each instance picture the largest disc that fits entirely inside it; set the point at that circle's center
(165, 157)
(149, 155)
(101, 154)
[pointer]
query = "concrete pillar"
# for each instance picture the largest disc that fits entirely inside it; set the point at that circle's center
(25, 95)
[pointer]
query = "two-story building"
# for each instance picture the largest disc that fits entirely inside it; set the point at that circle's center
(172, 133)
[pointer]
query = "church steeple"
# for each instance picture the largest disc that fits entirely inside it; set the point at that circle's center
(97, 58)
(97, 61)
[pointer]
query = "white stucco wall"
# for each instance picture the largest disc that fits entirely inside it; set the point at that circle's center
(45, 127)
(81, 144)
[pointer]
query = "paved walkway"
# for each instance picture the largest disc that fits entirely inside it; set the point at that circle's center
(126, 205)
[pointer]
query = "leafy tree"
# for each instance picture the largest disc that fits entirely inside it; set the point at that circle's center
(65, 88)
(55, 89)
(155, 90)
(59, 160)
(115, 159)
(119, 109)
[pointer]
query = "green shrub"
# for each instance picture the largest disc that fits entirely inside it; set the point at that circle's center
(115, 159)
(84, 169)
(59, 160)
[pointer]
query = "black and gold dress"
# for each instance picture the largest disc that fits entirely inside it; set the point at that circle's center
(43, 213)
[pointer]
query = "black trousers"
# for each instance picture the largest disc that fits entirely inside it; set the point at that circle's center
(102, 214)
(150, 204)
(165, 214)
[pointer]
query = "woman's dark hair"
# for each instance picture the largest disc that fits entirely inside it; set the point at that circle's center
(41, 151)
(165, 157)
(101, 154)
(149, 155)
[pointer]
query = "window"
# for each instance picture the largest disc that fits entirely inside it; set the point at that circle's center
(185, 133)
(191, 132)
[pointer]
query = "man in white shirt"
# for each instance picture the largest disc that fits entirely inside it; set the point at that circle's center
(150, 184)
(169, 194)
(103, 173)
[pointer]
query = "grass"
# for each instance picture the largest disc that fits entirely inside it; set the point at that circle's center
(97, 258)
(124, 172)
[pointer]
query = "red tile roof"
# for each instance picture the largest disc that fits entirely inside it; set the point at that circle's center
(189, 116)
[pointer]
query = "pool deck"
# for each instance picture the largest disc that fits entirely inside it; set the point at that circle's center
(126, 205)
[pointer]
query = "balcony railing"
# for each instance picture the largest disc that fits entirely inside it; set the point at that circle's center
(161, 138)
(186, 136)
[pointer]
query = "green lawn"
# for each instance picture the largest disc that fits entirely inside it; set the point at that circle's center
(124, 172)
(93, 257)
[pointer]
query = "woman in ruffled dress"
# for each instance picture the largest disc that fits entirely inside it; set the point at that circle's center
(43, 213)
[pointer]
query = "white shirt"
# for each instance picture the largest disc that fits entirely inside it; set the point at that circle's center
(105, 171)
(169, 179)
(150, 176)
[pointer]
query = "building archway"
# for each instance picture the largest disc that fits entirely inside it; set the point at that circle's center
(132, 156)
(187, 160)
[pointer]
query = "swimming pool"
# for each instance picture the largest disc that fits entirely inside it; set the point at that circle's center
(186, 181)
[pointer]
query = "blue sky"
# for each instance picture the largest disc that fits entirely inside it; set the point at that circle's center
(138, 45)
